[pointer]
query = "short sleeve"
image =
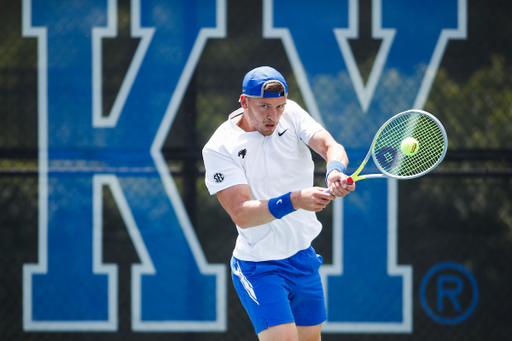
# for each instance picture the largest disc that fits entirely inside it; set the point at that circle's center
(221, 171)
(305, 125)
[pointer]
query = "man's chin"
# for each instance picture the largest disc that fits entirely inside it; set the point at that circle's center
(267, 132)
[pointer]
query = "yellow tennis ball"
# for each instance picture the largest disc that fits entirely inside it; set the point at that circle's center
(410, 146)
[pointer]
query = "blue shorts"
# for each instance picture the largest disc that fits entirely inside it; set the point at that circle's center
(281, 291)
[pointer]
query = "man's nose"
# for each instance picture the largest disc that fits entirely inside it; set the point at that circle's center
(272, 114)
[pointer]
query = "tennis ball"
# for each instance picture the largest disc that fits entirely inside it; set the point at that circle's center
(410, 146)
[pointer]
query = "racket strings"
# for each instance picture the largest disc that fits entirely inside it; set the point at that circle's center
(387, 145)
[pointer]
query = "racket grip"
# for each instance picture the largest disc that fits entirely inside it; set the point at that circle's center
(349, 181)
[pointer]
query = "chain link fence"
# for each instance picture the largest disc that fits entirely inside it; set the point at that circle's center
(461, 212)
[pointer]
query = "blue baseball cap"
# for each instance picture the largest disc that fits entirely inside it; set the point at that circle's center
(255, 81)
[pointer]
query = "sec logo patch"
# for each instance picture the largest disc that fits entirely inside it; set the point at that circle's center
(218, 177)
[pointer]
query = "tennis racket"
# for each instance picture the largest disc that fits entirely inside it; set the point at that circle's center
(397, 156)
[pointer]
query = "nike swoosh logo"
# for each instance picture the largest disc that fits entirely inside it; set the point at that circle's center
(281, 134)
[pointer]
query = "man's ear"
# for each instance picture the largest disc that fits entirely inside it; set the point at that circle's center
(244, 101)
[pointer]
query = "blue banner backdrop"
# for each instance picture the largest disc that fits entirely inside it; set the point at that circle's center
(82, 150)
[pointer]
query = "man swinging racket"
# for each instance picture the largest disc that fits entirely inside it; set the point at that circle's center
(259, 165)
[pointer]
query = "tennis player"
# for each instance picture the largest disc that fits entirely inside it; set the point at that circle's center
(259, 165)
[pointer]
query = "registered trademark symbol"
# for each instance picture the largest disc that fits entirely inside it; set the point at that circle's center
(449, 293)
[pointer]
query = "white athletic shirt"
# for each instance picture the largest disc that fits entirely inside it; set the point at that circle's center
(272, 166)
